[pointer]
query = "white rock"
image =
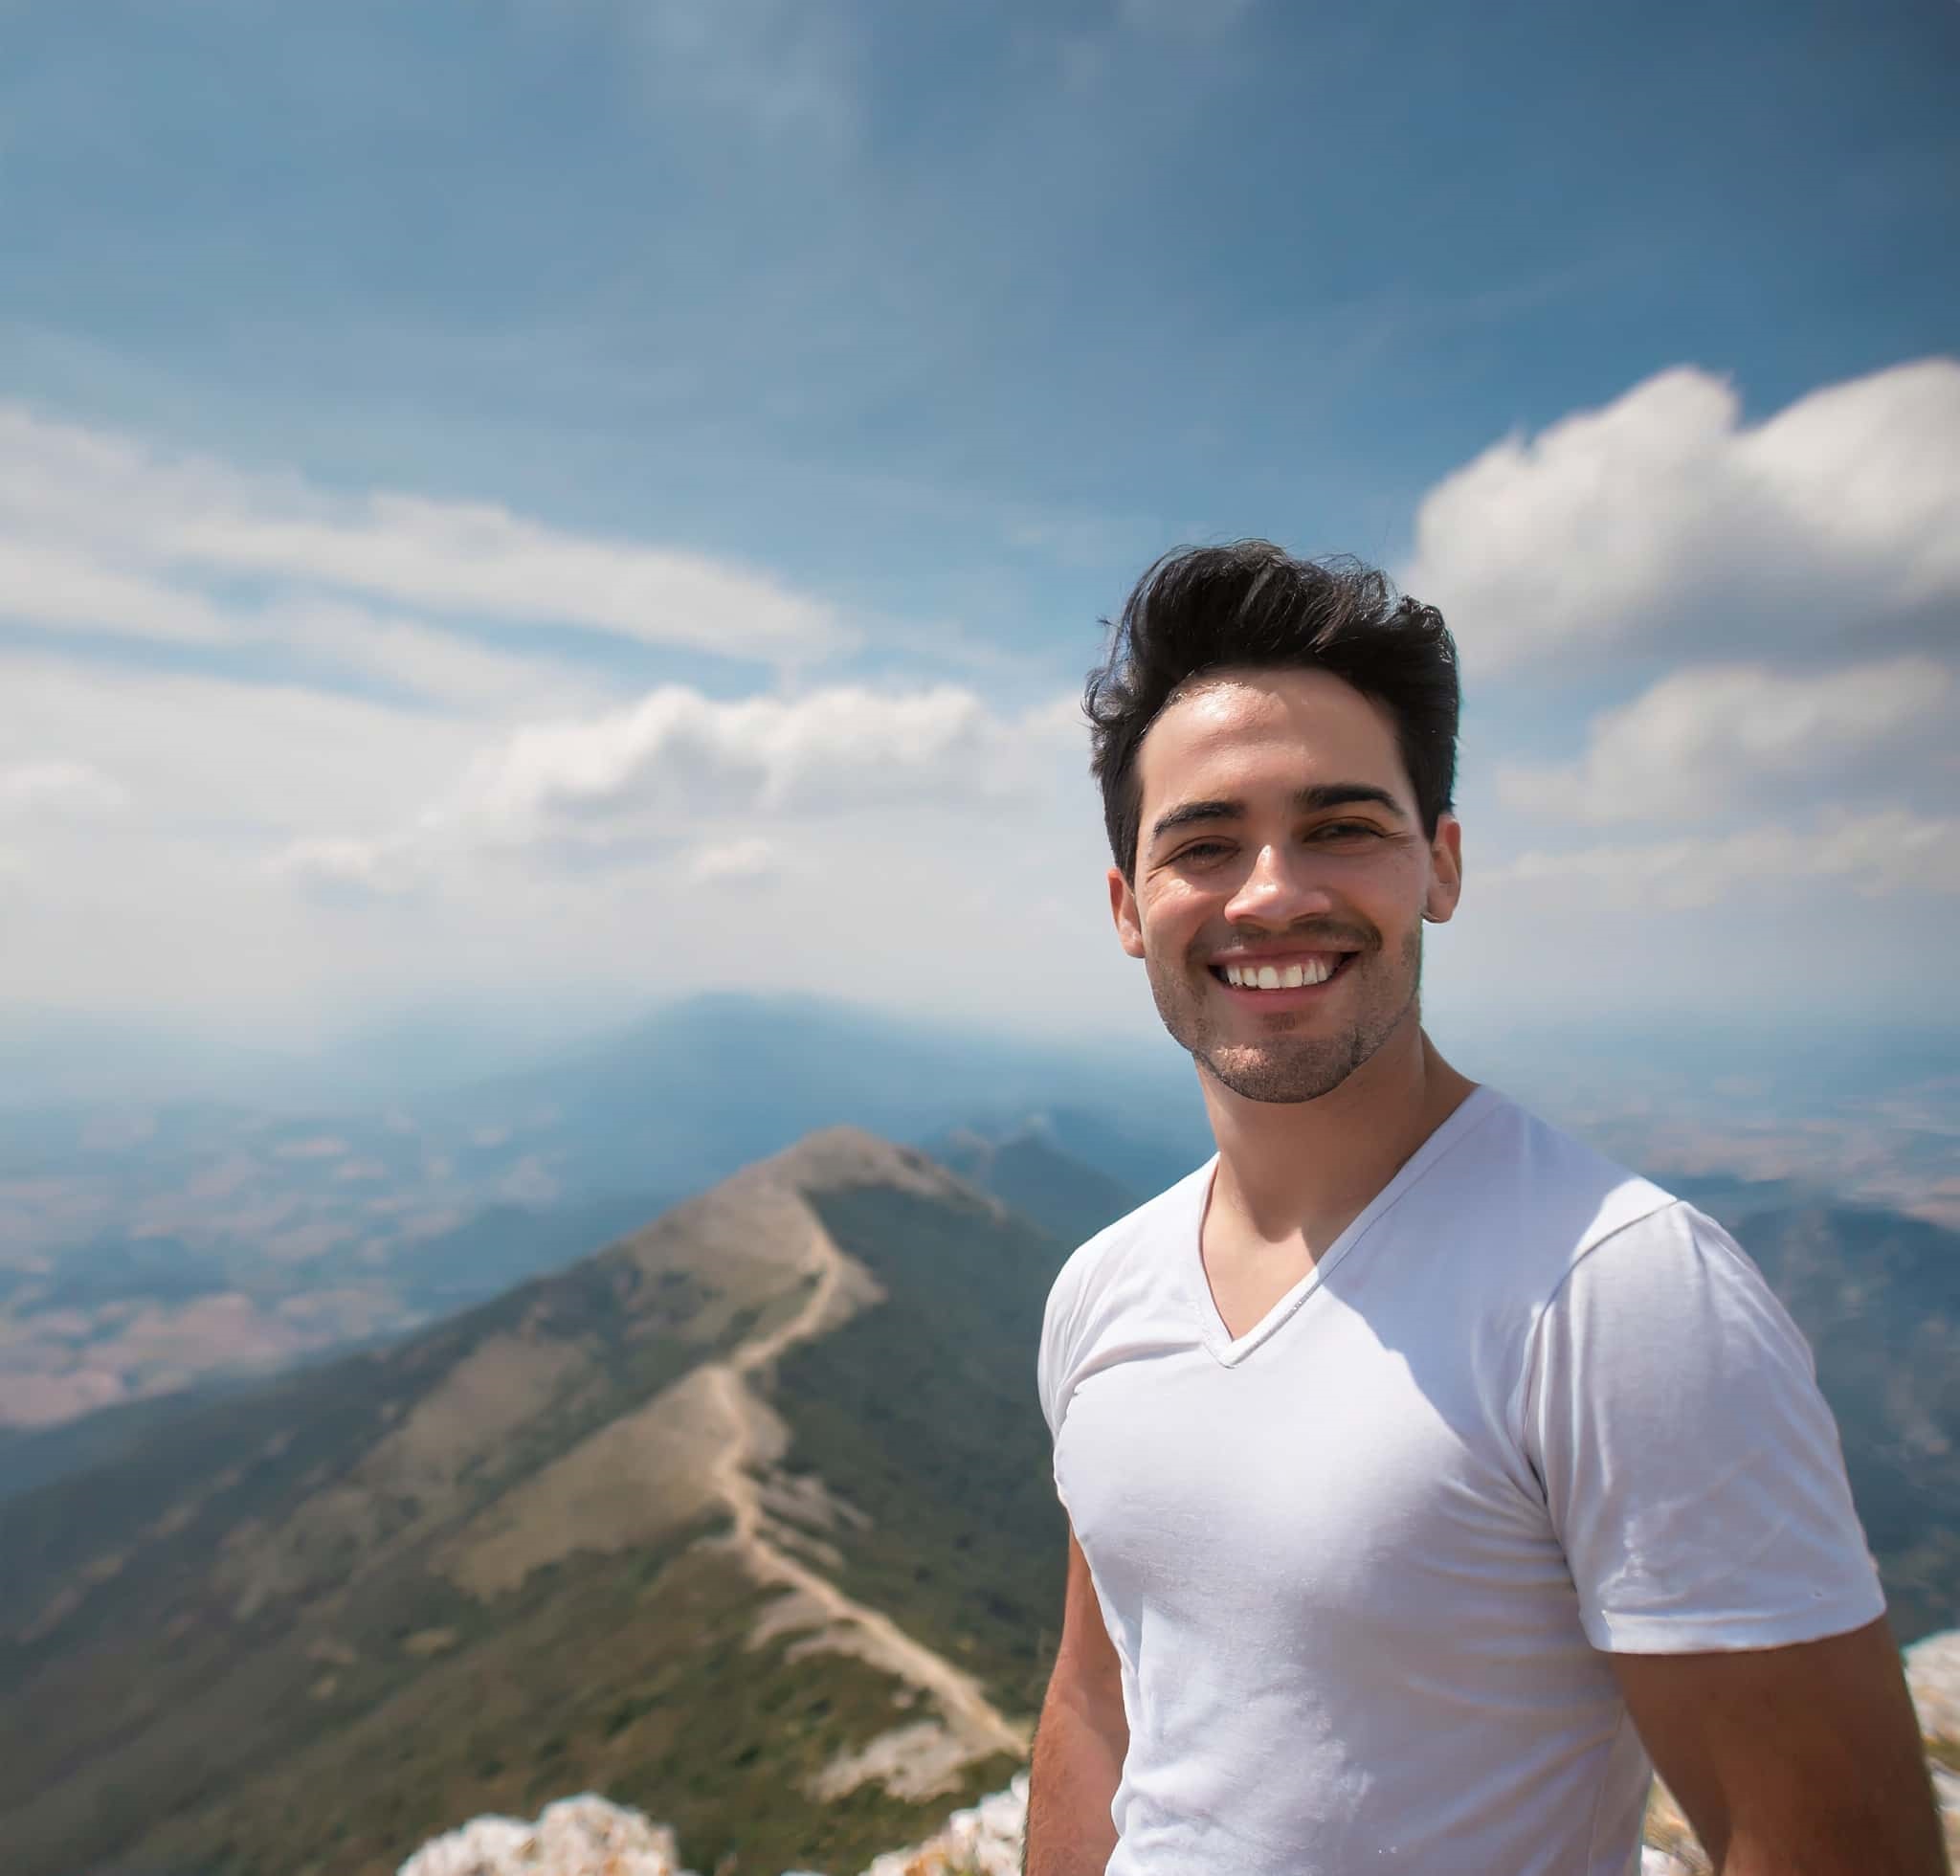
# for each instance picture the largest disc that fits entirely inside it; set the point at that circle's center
(585, 1836)
(1932, 1671)
(1657, 1863)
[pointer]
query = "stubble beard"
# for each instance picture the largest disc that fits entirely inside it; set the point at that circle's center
(1283, 1066)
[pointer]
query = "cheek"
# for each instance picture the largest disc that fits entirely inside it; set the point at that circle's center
(1391, 886)
(1172, 910)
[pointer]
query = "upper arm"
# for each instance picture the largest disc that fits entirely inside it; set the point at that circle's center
(1803, 1757)
(1087, 1669)
(1689, 1465)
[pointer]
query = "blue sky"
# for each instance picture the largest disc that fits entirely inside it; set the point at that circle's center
(401, 397)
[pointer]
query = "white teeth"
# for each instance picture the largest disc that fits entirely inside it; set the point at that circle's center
(1283, 976)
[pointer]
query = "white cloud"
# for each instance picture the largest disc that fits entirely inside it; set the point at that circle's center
(58, 788)
(42, 585)
(1713, 738)
(678, 755)
(750, 858)
(336, 864)
(628, 782)
(1873, 854)
(1664, 519)
(99, 529)
(229, 760)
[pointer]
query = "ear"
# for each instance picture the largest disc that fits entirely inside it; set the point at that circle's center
(1445, 871)
(1122, 908)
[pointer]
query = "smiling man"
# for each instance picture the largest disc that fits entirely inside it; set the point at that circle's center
(1427, 1475)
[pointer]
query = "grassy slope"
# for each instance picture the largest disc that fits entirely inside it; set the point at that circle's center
(630, 1675)
(1068, 1201)
(921, 1413)
(165, 1685)
(357, 1701)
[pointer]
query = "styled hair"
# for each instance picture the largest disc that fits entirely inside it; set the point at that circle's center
(1251, 605)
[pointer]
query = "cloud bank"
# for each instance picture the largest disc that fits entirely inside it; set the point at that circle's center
(651, 773)
(1664, 523)
(101, 531)
(1708, 739)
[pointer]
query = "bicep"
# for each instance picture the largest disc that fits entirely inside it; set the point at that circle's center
(1086, 1667)
(1810, 1750)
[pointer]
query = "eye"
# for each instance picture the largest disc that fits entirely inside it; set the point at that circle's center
(1348, 830)
(1203, 850)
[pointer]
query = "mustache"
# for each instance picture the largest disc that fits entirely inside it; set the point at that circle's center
(1319, 934)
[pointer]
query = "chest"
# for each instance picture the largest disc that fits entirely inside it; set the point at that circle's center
(1330, 1474)
(1246, 1281)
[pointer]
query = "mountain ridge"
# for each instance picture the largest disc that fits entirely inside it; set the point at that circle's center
(588, 1491)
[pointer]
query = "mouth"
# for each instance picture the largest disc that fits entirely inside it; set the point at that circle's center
(1277, 977)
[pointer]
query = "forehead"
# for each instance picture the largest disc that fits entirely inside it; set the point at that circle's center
(1232, 732)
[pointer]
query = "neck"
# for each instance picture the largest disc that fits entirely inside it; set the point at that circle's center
(1288, 1168)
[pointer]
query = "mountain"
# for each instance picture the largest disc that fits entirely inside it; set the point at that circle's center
(1068, 1199)
(263, 1272)
(705, 1085)
(148, 1248)
(745, 1520)
(748, 1515)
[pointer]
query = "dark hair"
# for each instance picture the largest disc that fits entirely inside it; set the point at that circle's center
(1251, 605)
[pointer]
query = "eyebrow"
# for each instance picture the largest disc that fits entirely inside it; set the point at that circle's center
(1308, 800)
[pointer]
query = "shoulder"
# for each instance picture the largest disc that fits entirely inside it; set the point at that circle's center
(1558, 1195)
(1094, 1267)
(1115, 1275)
(1508, 1205)
(1606, 1234)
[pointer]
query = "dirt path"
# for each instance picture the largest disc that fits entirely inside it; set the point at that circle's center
(754, 1440)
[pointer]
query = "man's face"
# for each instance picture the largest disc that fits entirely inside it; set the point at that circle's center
(1281, 847)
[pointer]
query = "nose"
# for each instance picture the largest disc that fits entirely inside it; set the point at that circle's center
(1278, 890)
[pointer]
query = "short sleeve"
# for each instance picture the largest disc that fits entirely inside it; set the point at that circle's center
(1690, 1465)
(1051, 1366)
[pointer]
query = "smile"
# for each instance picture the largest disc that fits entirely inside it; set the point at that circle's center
(1301, 971)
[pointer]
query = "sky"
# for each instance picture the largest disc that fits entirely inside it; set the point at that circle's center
(545, 505)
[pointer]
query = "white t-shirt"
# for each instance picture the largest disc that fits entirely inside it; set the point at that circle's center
(1358, 1563)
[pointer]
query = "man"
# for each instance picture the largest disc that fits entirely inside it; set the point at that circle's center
(1426, 1472)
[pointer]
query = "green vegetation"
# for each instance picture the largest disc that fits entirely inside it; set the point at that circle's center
(1068, 1201)
(632, 1676)
(921, 1413)
(240, 1649)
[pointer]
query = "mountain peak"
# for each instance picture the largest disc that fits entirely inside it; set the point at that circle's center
(840, 1156)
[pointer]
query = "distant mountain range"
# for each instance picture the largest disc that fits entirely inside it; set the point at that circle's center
(745, 1520)
(148, 1249)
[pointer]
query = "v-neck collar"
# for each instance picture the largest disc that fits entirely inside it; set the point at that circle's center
(1229, 1350)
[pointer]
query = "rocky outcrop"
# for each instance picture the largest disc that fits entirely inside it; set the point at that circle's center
(983, 1842)
(576, 1837)
(1932, 1671)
